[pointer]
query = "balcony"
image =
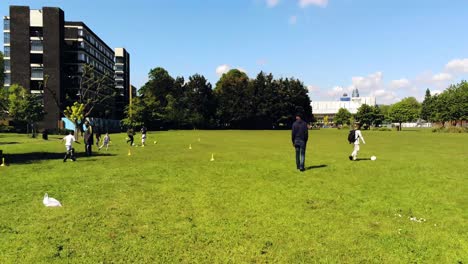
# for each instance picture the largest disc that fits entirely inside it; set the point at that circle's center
(37, 46)
(6, 24)
(6, 51)
(37, 73)
(6, 37)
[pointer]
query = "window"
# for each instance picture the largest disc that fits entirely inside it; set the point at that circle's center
(36, 45)
(6, 37)
(80, 32)
(119, 67)
(7, 51)
(119, 60)
(37, 72)
(6, 24)
(7, 79)
(81, 57)
(6, 65)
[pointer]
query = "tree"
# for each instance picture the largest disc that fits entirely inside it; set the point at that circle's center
(457, 101)
(233, 97)
(24, 106)
(427, 106)
(325, 120)
(406, 110)
(377, 115)
(292, 98)
(200, 102)
(134, 113)
(75, 113)
(264, 99)
(342, 117)
(93, 91)
(365, 115)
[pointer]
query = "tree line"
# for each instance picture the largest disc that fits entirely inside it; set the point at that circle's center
(236, 102)
(450, 106)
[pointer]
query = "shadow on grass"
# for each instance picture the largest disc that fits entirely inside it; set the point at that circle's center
(8, 143)
(316, 167)
(359, 159)
(25, 158)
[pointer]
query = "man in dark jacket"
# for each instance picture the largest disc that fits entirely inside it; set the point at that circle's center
(299, 136)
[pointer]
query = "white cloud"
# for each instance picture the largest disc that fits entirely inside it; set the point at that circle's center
(400, 83)
(221, 69)
(442, 77)
(383, 96)
(457, 66)
(336, 92)
(272, 3)
(436, 92)
(306, 3)
(366, 84)
(293, 20)
(224, 68)
(313, 88)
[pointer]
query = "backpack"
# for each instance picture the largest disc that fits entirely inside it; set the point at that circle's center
(352, 136)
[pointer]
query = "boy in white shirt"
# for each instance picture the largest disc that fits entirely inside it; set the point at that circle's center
(68, 145)
(357, 135)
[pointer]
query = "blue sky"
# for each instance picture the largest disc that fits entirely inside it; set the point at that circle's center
(390, 49)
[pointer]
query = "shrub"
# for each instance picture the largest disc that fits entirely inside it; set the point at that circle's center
(451, 129)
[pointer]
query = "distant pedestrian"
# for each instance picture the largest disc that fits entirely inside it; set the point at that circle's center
(143, 136)
(130, 134)
(98, 136)
(88, 139)
(69, 139)
(45, 134)
(299, 136)
(105, 142)
(358, 136)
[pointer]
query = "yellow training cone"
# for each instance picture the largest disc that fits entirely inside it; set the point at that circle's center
(129, 152)
(212, 157)
(190, 146)
(156, 142)
(3, 162)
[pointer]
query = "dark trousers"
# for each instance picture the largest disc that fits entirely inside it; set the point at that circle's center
(88, 149)
(300, 147)
(130, 139)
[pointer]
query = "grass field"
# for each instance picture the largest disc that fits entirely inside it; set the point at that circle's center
(167, 204)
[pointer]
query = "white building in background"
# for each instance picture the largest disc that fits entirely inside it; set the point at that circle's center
(320, 109)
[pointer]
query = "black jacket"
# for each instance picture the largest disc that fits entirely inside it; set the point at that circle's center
(299, 131)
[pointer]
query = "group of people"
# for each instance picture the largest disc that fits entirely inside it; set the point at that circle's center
(131, 134)
(88, 139)
(300, 135)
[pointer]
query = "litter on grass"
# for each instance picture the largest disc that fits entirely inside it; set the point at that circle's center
(51, 202)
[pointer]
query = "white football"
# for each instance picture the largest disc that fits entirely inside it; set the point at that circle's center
(373, 158)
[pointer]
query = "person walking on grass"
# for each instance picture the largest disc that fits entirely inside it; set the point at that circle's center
(358, 136)
(299, 137)
(105, 142)
(88, 139)
(69, 139)
(98, 136)
(130, 135)
(143, 136)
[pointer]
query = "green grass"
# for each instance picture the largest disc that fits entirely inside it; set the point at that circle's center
(168, 204)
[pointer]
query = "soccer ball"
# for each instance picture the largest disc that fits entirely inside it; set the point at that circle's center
(373, 158)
